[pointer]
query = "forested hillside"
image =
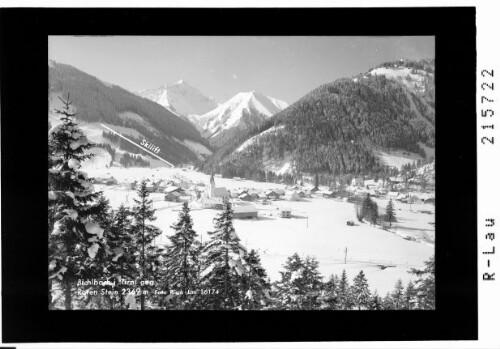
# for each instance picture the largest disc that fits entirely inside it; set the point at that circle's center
(335, 128)
(97, 101)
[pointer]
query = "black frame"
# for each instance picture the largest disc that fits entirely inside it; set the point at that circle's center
(23, 52)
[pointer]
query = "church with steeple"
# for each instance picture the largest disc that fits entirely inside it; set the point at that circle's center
(214, 196)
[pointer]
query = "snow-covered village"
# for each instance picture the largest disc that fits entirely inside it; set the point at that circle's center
(168, 199)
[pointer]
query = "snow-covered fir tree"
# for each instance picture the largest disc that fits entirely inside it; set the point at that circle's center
(344, 293)
(184, 254)
(100, 263)
(74, 237)
(329, 297)
(121, 267)
(224, 264)
(360, 291)
(410, 296)
(312, 281)
(390, 214)
(287, 289)
(255, 283)
(398, 299)
(148, 255)
(375, 302)
(426, 285)
(387, 302)
(300, 284)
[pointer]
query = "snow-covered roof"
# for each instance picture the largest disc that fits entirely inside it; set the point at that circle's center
(174, 193)
(245, 209)
(286, 209)
(172, 188)
(220, 191)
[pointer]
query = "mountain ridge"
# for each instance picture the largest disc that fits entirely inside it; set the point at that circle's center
(341, 127)
(181, 98)
(100, 102)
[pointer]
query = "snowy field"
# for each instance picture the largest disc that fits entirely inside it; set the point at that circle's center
(317, 228)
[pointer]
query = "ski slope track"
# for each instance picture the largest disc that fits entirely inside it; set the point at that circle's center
(137, 145)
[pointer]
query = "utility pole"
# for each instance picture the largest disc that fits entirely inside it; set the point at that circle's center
(345, 257)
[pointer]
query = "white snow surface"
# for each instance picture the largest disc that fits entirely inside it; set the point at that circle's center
(317, 228)
(230, 114)
(183, 98)
(414, 81)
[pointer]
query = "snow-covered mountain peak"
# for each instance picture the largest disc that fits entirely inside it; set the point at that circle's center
(244, 110)
(181, 97)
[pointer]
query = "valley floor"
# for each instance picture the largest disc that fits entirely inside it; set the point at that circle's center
(317, 228)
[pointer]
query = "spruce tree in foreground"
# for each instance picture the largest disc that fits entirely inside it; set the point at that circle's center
(390, 215)
(398, 299)
(74, 238)
(120, 241)
(344, 293)
(184, 253)
(375, 302)
(360, 291)
(311, 280)
(300, 285)
(255, 282)
(410, 296)
(330, 300)
(426, 285)
(289, 290)
(224, 264)
(148, 261)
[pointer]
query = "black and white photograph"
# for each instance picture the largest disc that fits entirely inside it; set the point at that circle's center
(241, 173)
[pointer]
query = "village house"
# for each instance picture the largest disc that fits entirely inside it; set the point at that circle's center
(245, 197)
(246, 211)
(271, 194)
(242, 191)
(174, 188)
(172, 196)
(279, 191)
(285, 212)
(151, 187)
(292, 196)
(108, 180)
(357, 182)
(262, 196)
(253, 193)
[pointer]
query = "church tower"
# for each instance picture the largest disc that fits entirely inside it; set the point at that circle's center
(212, 185)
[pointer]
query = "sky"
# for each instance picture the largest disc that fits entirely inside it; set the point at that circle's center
(285, 67)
